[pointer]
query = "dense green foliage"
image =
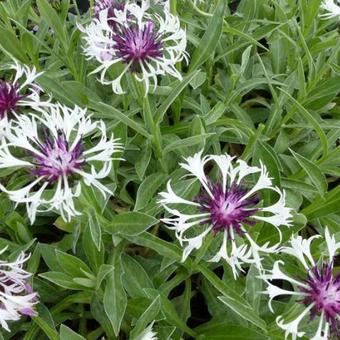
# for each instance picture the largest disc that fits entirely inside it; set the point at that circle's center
(261, 84)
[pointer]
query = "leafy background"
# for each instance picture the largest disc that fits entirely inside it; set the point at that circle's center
(262, 84)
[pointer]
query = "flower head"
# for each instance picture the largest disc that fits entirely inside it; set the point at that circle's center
(57, 158)
(318, 291)
(16, 295)
(331, 7)
(19, 92)
(228, 206)
(144, 43)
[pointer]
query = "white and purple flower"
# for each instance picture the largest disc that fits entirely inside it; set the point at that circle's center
(318, 291)
(227, 208)
(17, 298)
(332, 9)
(56, 157)
(144, 43)
(19, 92)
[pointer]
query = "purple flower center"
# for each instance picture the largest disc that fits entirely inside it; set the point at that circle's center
(136, 45)
(57, 159)
(324, 292)
(227, 208)
(9, 97)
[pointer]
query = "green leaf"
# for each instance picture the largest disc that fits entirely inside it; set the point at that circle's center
(199, 79)
(115, 300)
(147, 189)
(329, 204)
(135, 288)
(114, 113)
(170, 312)
(210, 38)
(148, 316)
(95, 229)
(221, 331)
(313, 171)
(130, 223)
(98, 311)
(175, 92)
(47, 329)
(312, 121)
(186, 142)
(233, 300)
(94, 256)
(143, 161)
(68, 334)
(71, 265)
(11, 45)
(104, 270)
(62, 280)
(53, 20)
(267, 155)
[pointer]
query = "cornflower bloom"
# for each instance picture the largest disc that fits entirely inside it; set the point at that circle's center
(144, 43)
(16, 295)
(57, 158)
(225, 207)
(331, 7)
(318, 290)
(20, 92)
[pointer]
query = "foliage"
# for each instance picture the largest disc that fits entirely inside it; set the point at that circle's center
(262, 83)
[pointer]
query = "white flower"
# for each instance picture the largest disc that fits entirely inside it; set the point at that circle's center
(21, 91)
(16, 295)
(318, 292)
(225, 207)
(140, 41)
(331, 7)
(55, 155)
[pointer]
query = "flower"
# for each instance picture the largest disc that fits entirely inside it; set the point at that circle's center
(16, 295)
(331, 7)
(225, 207)
(144, 43)
(21, 91)
(56, 157)
(318, 291)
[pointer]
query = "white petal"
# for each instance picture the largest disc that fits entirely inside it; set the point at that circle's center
(195, 165)
(170, 197)
(274, 291)
(300, 248)
(332, 245)
(277, 274)
(194, 243)
(291, 328)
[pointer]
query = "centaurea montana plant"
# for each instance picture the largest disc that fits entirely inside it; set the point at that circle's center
(227, 208)
(17, 298)
(57, 158)
(318, 290)
(144, 43)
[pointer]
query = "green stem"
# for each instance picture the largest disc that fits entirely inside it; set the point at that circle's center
(197, 10)
(154, 130)
(151, 126)
(173, 7)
